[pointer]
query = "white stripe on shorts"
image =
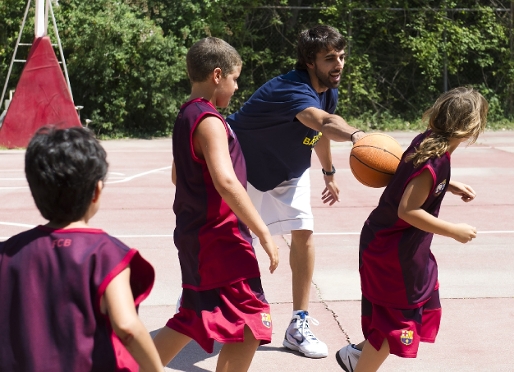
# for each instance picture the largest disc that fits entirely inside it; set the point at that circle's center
(287, 207)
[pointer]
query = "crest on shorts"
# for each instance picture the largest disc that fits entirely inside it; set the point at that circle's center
(266, 320)
(439, 189)
(406, 337)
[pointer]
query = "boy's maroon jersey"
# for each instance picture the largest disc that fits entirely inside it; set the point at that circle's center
(214, 245)
(51, 284)
(396, 264)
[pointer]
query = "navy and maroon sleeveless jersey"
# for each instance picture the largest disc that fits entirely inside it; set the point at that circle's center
(214, 246)
(51, 284)
(397, 267)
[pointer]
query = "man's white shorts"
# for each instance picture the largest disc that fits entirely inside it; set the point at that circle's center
(287, 207)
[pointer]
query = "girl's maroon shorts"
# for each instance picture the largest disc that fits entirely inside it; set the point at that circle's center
(404, 329)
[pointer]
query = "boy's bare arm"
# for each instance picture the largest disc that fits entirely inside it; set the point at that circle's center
(118, 302)
(409, 210)
(173, 173)
(210, 143)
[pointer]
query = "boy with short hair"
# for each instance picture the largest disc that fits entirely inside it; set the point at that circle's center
(222, 297)
(69, 292)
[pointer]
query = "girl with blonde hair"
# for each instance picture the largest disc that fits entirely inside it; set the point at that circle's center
(399, 277)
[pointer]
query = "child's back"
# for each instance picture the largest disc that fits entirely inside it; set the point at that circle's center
(69, 292)
(51, 282)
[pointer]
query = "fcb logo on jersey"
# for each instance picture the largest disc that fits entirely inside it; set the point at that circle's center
(406, 337)
(266, 320)
(439, 189)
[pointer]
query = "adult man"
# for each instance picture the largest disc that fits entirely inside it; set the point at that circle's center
(277, 128)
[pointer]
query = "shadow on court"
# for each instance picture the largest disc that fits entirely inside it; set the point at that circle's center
(192, 355)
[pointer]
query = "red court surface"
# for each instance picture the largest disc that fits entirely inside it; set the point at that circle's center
(477, 281)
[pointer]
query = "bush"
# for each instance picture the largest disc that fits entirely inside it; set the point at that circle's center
(122, 69)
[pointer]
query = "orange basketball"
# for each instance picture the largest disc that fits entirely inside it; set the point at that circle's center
(374, 159)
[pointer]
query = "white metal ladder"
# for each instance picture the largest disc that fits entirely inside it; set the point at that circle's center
(49, 8)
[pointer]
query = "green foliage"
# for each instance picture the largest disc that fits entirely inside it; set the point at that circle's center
(126, 58)
(122, 69)
(399, 51)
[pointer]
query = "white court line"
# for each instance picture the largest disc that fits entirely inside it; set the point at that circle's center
(479, 232)
(495, 232)
(143, 236)
(342, 233)
(316, 233)
(139, 175)
(348, 233)
(171, 235)
(127, 179)
(16, 224)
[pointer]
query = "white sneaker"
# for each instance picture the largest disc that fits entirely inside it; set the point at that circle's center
(299, 337)
(348, 357)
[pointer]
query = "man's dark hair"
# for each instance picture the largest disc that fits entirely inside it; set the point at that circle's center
(315, 40)
(63, 167)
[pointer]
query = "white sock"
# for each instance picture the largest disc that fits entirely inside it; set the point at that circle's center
(295, 312)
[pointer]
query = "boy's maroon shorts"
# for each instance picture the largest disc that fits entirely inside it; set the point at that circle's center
(221, 314)
(404, 329)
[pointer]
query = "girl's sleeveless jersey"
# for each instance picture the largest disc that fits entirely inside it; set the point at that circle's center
(214, 246)
(397, 267)
(51, 284)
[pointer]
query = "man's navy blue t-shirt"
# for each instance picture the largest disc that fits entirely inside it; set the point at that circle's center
(277, 147)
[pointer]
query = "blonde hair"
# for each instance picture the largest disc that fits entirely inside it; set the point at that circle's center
(458, 113)
(208, 54)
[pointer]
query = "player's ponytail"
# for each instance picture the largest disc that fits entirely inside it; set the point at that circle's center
(458, 113)
(431, 147)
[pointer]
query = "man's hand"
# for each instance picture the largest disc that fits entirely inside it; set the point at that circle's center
(357, 135)
(331, 193)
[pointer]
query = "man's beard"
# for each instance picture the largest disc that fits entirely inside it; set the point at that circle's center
(324, 80)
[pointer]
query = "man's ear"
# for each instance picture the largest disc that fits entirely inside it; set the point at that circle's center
(98, 191)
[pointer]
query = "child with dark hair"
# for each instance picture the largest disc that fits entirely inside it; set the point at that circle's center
(69, 292)
(399, 276)
(222, 297)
